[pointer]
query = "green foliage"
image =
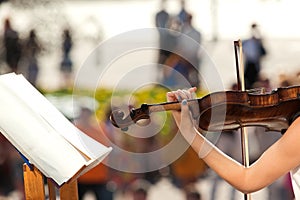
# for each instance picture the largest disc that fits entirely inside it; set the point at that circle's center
(108, 99)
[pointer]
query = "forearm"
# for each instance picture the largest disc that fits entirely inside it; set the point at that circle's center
(233, 172)
(280, 158)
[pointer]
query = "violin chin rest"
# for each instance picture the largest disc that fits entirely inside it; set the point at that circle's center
(143, 122)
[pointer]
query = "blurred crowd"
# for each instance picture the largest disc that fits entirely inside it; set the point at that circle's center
(179, 64)
(22, 54)
(180, 45)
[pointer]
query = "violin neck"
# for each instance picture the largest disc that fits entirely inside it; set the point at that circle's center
(164, 107)
(167, 106)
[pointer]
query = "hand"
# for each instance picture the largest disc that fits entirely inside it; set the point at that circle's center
(180, 95)
(186, 123)
(183, 119)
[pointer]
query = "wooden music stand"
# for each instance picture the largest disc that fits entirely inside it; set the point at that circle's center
(35, 189)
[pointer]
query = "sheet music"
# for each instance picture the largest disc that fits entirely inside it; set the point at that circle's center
(42, 134)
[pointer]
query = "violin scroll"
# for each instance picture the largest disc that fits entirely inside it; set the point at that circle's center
(139, 116)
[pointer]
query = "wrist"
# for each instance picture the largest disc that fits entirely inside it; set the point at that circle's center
(201, 145)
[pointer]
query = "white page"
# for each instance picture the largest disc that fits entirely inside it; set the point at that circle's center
(60, 123)
(38, 130)
(36, 140)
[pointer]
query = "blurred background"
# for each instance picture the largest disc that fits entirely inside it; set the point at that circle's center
(64, 46)
(93, 22)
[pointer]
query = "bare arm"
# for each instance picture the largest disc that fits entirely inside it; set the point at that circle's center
(279, 159)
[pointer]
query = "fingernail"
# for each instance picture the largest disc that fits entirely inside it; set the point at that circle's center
(178, 98)
(184, 102)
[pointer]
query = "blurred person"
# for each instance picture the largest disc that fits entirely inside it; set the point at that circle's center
(17, 163)
(162, 17)
(281, 157)
(12, 46)
(11, 170)
(66, 66)
(175, 74)
(6, 174)
(166, 39)
(32, 49)
(254, 50)
(161, 23)
(97, 178)
(189, 45)
(184, 62)
(183, 13)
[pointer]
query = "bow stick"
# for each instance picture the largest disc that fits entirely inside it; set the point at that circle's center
(238, 49)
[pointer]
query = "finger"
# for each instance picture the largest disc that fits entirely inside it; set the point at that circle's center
(179, 95)
(188, 94)
(192, 89)
(171, 97)
(193, 92)
(175, 96)
(183, 94)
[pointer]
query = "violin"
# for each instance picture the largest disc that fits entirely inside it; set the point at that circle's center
(227, 110)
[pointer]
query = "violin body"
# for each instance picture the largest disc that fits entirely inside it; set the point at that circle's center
(229, 110)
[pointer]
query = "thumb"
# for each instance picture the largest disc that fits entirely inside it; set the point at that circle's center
(186, 125)
(185, 112)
